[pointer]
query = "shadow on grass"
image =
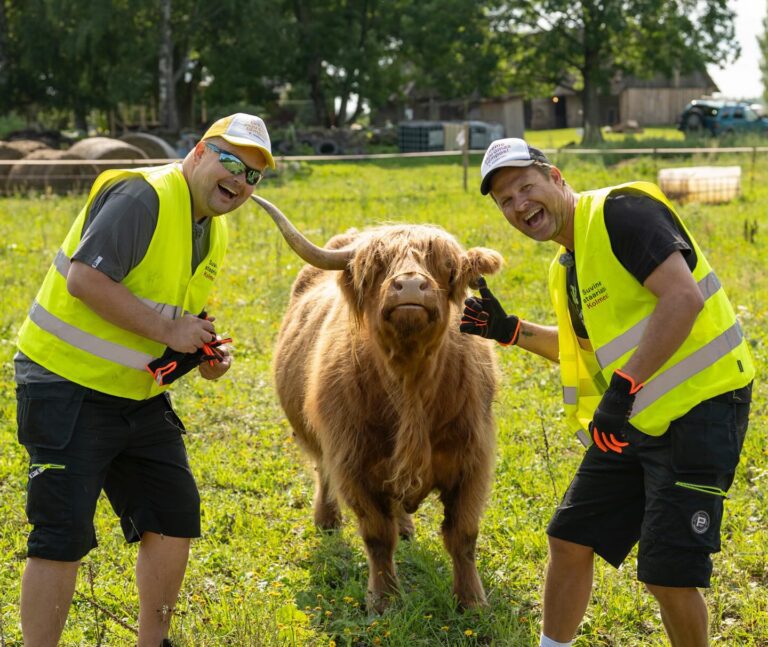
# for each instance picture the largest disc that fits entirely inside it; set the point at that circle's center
(424, 613)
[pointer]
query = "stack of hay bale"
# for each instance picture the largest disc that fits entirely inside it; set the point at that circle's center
(46, 175)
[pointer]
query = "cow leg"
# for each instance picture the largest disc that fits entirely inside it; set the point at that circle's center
(405, 526)
(460, 528)
(327, 513)
(378, 528)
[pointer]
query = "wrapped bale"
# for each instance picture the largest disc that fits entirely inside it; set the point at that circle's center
(57, 178)
(153, 146)
(106, 148)
(7, 153)
(26, 146)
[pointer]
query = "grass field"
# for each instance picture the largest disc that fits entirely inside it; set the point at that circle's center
(561, 137)
(261, 574)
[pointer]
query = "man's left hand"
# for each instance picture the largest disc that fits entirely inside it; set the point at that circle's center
(216, 367)
(613, 412)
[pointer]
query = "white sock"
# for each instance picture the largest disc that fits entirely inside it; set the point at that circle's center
(548, 642)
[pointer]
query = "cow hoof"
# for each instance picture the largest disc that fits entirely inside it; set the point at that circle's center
(328, 525)
(327, 516)
(377, 602)
(472, 601)
(405, 527)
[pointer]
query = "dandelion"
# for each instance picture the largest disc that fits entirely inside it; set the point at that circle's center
(428, 616)
(348, 599)
(329, 613)
(445, 628)
(468, 632)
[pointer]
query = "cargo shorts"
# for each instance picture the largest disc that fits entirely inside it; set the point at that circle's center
(81, 442)
(666, 492)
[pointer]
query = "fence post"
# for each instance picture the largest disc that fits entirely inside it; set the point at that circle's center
(752, 170)
(465, 153)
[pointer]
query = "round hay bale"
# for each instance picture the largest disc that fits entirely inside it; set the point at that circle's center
(106, 148)
(153, 146)
(7, 153)
(26, 146)
(53, 177)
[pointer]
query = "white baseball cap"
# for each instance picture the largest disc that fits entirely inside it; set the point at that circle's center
(241, 129)
(507, 152)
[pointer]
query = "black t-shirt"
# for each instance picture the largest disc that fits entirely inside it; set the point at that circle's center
(643, 234)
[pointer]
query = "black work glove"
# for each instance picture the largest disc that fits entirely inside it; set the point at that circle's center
(173, 363)
(613, 412)
(486, 317)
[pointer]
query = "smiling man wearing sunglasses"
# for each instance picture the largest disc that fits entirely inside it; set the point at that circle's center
(128, 285)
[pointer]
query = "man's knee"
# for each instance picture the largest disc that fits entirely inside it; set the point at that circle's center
(562, 552)
(668, 594)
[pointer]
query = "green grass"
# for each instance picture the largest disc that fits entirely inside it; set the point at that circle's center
(261, 574)
(562, 137)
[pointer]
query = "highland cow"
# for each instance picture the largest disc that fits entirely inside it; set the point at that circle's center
(383, 392)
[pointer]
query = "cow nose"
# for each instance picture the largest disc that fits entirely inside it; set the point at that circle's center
(410, 284)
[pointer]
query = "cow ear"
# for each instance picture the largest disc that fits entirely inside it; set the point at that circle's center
(479, 261)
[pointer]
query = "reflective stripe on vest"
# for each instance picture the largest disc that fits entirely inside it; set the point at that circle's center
(87, 342)
(70, 339)
(714, 357)
(701, 359)
(62, 265)
(610, 352)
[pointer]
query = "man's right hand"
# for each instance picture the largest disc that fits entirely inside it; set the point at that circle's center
(486, 317)
(190, 332)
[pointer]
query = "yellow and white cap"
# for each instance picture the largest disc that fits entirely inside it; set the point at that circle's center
(242, 129)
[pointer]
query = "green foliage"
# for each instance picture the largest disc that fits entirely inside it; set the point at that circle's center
(261, 575)
(583, 46)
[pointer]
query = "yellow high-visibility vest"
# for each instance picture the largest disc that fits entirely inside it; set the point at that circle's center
(713, 359)
(65, 336)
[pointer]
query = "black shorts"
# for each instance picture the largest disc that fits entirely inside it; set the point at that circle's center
(81, 441)
(666, 492)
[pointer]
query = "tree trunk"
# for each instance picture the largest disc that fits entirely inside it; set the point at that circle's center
(169, 117)
(590, 99)
(312, 66)
(591, 102)
(3, 44)
(81, 121)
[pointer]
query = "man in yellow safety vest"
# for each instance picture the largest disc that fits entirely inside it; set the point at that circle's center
(656, 378)
(119, 316)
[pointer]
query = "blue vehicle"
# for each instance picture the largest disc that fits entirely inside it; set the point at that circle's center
(721, 118)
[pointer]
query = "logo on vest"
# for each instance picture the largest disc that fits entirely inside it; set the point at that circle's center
(594, 295)
(700, 522)
(211, 270)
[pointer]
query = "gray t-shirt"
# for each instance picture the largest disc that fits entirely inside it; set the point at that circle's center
(116, 236)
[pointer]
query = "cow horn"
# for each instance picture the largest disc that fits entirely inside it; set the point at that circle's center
(325, 259)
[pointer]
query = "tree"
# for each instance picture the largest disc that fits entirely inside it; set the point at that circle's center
(583, 44)
(451, 47)
(73, 55)
(763, 43)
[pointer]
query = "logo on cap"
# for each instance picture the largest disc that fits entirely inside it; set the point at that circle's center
(256, 127)
(700, 522)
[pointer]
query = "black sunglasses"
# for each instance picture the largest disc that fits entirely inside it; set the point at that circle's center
(236, 166)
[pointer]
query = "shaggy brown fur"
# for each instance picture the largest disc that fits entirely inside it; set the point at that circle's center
(388, 398)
